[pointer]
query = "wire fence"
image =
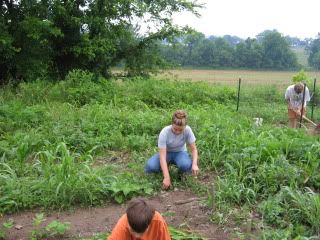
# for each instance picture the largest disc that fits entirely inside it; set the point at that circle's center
(269, 101)
(260, 94)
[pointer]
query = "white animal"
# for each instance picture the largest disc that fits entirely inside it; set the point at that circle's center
(258, 122)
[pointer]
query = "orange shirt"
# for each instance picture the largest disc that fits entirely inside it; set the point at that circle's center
(157, 230)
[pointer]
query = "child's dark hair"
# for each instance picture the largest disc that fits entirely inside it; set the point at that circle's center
(179, 118)
(139, 215)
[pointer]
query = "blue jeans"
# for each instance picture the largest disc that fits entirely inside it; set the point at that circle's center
(181, 159)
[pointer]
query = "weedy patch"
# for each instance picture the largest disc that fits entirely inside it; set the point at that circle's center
(52, 133)
(180, 235)
(54, 229)
(4, 228)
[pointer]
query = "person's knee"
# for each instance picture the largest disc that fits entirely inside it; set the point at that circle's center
(183, 162)
(152, 166)
(185, 166)
(151, 169)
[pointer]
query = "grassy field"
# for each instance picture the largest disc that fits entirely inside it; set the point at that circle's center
(231, 77)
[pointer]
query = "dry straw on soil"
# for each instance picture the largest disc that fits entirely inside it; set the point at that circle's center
(231, 77)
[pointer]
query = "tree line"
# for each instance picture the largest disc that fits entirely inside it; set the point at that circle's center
(269, 50)
(48, 38)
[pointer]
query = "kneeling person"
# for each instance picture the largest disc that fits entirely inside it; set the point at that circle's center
(172, 149)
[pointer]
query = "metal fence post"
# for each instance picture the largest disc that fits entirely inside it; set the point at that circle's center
(302, 107)
(314, 97)
(238, 94)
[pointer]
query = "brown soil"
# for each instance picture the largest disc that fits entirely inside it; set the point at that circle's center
(86, 222)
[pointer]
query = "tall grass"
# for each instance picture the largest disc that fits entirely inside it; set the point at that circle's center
(59, 179)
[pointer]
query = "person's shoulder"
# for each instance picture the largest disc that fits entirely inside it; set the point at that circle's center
(166, 129)
(157, 214)
(290, 89)
(123, 219)
(188, 128)
(157, 217)
(120, 229)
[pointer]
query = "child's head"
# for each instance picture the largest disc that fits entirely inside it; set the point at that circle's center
(298, 87)
(139, 215)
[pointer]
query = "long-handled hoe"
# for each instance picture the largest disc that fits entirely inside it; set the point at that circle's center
(316, 126)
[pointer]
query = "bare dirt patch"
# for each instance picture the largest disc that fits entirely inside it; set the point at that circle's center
(191, 216)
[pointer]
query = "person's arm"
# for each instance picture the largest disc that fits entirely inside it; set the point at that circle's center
(287, 97)
(295, 109)
(307, 96)
(194, 155)
(289, 105)
(164, 167)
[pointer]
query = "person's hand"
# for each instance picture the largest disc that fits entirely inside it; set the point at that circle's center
(195, 170)
(297, 111)
(166, 183)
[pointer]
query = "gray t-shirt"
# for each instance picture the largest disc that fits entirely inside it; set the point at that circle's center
(175, 143)
(295, 98)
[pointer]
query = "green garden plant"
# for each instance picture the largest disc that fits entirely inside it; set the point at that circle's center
(180, 235)
(4, 228)
(53, 229)
(301, 76)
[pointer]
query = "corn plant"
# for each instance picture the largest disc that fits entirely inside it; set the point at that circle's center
(305, 208)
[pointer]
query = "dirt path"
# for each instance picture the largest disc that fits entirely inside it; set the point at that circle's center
(85, 222)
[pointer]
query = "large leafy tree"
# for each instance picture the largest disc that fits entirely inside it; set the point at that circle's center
(54, 36)
(24, 39)
(206, 53)
(192, 41)
(249, 54)
(314, 53)
(276, 52)
(223, 53)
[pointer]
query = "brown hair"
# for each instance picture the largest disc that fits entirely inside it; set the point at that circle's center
(298, 87)
(179, 118)
(139, 215)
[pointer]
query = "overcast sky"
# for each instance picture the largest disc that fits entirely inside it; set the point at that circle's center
(247, 18)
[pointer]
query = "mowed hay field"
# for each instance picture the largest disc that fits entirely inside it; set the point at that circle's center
(231, 77)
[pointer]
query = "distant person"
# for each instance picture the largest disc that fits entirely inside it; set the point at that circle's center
(294, 95)
(142, 222)
(172, 149)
